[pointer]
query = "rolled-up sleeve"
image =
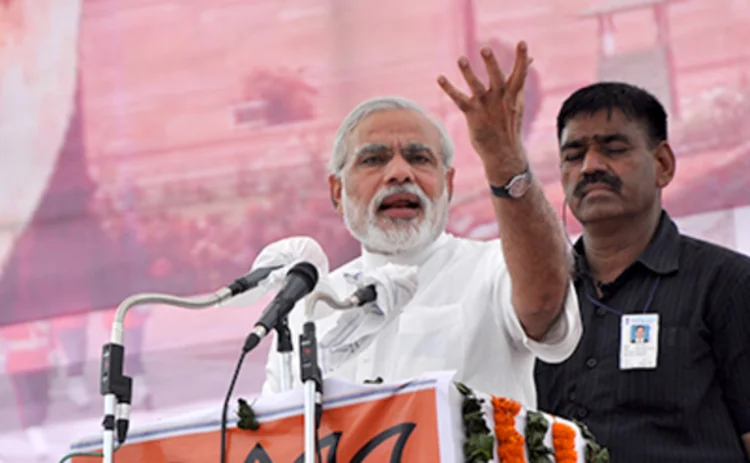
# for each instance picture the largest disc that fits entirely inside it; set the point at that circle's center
(563, 335)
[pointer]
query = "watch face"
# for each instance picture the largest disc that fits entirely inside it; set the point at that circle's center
(518, 186)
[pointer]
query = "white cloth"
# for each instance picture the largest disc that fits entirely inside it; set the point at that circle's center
(461, 319)
(287, 252)
(357, 328)
(290, 251)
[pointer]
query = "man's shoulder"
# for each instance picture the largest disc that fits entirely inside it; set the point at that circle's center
(725, 271)
(724, 259)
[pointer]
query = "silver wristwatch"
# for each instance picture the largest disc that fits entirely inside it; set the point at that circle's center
(517, 187)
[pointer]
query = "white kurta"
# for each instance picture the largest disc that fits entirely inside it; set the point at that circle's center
(461, 318)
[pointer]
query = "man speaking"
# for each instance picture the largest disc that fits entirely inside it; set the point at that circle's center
(484, 309)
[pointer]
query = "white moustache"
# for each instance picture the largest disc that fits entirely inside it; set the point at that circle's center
(387, 192)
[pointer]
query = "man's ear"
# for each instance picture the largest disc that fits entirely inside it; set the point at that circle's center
(449, 175)
(334, 189)
(664, 164)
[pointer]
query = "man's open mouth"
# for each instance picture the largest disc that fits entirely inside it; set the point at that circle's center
(401, 205)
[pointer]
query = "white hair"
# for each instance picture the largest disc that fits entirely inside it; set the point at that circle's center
(368, 107)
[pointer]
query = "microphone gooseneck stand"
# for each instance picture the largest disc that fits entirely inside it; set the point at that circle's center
(313, 393)
(285, 350)
(300, 281)
(310, 372)
(117, 388)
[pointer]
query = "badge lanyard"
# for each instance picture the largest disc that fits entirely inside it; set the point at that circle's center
(617, 312)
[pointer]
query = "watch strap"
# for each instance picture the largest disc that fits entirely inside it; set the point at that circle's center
(504, 191)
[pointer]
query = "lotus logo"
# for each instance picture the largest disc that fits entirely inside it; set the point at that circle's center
(329, 446)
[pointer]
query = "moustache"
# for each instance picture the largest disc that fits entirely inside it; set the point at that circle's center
(598, 176)
(382, 195)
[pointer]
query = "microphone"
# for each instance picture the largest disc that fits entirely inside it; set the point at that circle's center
(310, 372)
(358, 298)
(117, 388)
(300, 281)
(251, 280)
(363, 296)
(280, 256)
(381, 296)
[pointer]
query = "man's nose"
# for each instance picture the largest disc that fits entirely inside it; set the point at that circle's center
(398, 170)
(593, 161)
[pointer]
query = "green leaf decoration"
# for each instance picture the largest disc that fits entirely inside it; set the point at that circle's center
(246, 416)
(478, 448)
(595, 453)
(535, 430)
(479, 440)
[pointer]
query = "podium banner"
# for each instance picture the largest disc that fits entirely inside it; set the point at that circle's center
(417, 420)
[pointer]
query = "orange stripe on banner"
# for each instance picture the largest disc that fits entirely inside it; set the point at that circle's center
(402, 426)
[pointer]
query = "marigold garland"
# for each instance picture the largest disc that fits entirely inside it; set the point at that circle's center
(563, 440)
(510, 443)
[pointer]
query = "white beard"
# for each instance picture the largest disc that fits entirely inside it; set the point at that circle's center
(403, 235)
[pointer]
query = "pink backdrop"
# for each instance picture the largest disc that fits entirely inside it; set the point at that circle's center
(159, 145)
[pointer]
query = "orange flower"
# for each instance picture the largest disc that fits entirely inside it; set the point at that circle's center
(564, 442)
(510, 443)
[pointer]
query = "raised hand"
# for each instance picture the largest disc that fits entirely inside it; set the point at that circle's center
(494, 112)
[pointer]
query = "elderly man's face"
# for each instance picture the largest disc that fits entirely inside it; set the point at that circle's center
(38, 61)
(394, 189)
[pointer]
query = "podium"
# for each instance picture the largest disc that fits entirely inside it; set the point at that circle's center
(426, 419)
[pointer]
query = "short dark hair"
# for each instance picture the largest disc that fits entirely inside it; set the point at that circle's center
(634, 102)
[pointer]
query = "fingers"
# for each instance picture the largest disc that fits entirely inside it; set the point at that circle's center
(511, 88)
(458, 97)
(521, 65)
(475, 85)
(497, 79)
